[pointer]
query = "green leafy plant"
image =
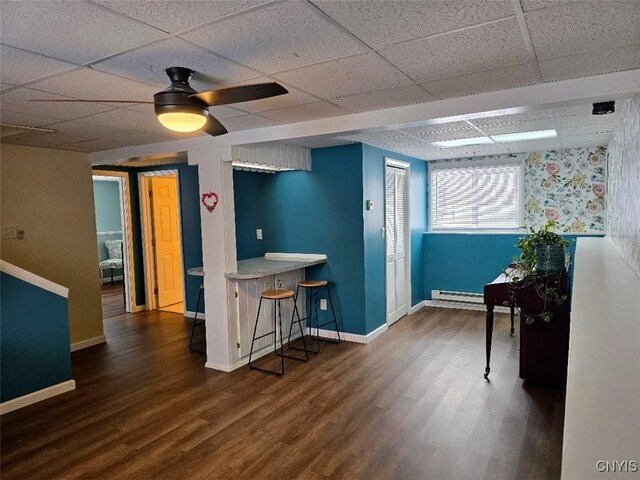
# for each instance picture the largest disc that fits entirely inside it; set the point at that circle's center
(547, 286)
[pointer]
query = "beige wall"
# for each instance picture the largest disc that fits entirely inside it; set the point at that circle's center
(49, 194)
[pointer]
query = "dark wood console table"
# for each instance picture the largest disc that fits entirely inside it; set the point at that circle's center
(544, 347)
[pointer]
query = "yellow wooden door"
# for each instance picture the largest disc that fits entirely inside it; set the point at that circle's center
(166, 237)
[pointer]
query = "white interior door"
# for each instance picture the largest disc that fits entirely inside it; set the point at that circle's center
(396, 242)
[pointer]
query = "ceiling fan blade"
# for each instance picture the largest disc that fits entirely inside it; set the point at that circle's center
(213, 126)
(245, 93)
(74, 100)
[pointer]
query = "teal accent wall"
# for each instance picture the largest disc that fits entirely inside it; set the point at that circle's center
(466, 262)
(323, 211)
(252, 212)
(189, 193)
(106, 197)
(34, 345)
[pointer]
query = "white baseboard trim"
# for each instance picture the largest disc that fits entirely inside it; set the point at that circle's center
(89, 342)
(189, 314)
(245, 360)
(38, 396)
(350, 337)
(418, 306)
(463, 306)
(138, 308)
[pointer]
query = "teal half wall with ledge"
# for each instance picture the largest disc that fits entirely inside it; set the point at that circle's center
(465, 262)
(35, 358)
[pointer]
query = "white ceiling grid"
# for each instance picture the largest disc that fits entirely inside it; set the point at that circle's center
(336, 57)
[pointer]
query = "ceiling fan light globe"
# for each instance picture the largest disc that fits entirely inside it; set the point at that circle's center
(183, 122)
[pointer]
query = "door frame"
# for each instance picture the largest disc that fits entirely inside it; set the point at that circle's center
(146, 228)
(392, 162)
(127, 233)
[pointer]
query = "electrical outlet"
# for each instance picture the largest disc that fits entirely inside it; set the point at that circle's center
(323, 304)
(259, 234)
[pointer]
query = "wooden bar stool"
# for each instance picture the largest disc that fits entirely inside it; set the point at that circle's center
(313, 286)
(277, 296)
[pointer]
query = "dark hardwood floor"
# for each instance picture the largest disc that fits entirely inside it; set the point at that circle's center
(112, 299)
(410, 405)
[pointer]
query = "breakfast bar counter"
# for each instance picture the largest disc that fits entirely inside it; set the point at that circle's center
(281, 271)
(266, 266)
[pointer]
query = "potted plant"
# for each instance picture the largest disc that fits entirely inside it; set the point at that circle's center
(543, 251)
(540, 264)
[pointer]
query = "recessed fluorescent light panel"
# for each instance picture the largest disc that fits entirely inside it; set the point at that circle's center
(522, 136)
(463, 142)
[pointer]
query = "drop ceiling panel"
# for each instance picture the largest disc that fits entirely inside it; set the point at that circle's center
(393, 97)
(440, 127)
(126, 119)
(147, 65)
(448, 135)
(78, 32)
(460, 53)
(588, 120)
(481, 82)
(586, 140)
(173, 16)
(20, 67)
(244, 122)
(594, 63)
(346, 76)
(18, 100)
(25, 119)
(278, 37)
(584, 27)
(380, 24)
(530, 5)
(308, 111)
(513, 118)
(87, 83)
(519, 127)
(89, 130)
(46, 139)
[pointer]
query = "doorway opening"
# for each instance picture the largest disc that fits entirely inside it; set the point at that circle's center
(114, 238)
(162, 240)
(397, 240)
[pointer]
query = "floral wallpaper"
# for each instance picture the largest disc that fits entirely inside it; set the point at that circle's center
(566, 186)
(623, 215)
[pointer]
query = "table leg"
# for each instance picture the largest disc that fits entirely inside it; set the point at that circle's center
(513, 308)
(488, 339)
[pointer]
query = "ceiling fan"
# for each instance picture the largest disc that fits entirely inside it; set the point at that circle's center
(182, 109)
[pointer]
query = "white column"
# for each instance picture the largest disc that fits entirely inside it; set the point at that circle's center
(218, 249)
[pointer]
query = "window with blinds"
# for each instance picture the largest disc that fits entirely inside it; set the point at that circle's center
(481, 196)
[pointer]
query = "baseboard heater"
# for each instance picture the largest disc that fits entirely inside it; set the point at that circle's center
(458, 297)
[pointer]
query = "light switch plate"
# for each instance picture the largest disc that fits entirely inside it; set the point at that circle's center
(259, 234)
(323, 304)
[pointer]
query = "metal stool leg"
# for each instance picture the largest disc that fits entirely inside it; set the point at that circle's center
(295, 314)
(193, 324)
(333, 312)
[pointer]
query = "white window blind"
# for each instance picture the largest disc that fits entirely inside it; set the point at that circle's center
(476, 196)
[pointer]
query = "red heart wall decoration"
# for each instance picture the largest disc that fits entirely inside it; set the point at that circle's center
(210, 200)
